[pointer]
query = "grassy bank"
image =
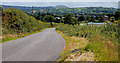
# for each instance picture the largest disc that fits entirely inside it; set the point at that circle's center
(102, 40)
(74, 49)
(8, 37)
(17, 24)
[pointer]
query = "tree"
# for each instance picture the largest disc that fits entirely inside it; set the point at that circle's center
(74, 21)
(38, 16)
(96, 17)
(117, 15)
(1, 8)
(68, 18)
(101, 19)
(87, 18)
(112, 19)
(81, 18)
(49, 18)
(91, 19)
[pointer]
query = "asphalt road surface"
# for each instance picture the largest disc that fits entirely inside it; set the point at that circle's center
(43, 46)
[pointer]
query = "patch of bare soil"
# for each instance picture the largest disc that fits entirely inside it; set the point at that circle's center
(88, 56)
(9, 35)
(1, 37)
(78, 56)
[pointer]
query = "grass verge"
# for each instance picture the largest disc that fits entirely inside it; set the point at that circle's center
(72, 44)
(103, 40)
(103, 48)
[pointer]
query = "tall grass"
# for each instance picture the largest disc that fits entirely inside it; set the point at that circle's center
(103, 39)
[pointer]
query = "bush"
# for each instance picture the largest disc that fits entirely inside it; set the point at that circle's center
(15, 21)
(88, 31)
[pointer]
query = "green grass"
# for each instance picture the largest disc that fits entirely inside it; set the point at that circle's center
(103, 40)
(103, 49)
(71, 43)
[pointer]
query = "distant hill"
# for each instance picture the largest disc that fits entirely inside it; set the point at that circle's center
(61, 6)
(62, 9)
(68, 4)
(23, 8)
(79, 11)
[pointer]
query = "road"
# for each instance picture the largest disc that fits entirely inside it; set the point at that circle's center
(43, 46)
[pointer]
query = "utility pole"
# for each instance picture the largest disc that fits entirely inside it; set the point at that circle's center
(32, 9)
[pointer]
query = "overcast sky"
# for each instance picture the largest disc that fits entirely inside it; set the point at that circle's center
(59, 0)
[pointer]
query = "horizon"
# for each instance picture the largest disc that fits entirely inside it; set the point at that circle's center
(68, 4)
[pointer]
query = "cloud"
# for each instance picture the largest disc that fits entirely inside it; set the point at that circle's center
(59, 0)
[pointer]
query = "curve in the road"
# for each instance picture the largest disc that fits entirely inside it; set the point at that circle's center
(43, 46)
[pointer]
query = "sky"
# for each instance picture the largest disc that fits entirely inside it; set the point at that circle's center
(59, 0)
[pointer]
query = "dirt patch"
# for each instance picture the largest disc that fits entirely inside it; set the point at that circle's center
(9, 35)
(1, 37)
(111, 45)
(88, 56)
(12, 35)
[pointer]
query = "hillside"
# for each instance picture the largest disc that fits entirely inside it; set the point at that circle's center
(16, 21)
(86, 10)
(61, 9)
(23, 8)
(61, 6)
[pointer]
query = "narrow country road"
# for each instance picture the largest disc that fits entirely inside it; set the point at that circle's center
(43, 46)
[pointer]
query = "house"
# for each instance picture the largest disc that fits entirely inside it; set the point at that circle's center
(92, 24)
(57, 17)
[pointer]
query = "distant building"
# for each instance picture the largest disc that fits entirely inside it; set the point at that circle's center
(91, 23)
(58, 18)
(63, 17)
(105, 16)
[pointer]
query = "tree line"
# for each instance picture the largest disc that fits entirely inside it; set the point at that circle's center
(76, 11)
(71, 18)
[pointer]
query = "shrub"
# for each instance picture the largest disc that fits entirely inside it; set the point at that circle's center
(15, 21)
